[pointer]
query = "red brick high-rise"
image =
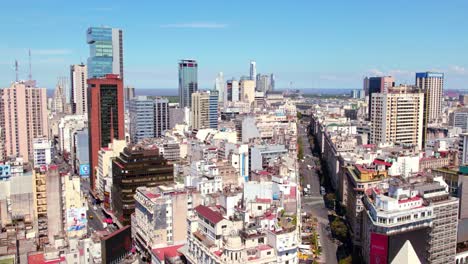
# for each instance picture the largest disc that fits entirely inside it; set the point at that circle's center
(105, 116)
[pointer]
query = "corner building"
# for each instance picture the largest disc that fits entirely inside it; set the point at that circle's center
(105, 115)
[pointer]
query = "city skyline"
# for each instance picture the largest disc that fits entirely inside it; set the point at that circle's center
(316, 52)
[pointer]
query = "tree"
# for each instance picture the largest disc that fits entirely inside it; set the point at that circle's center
(300, 150)
(339, 229)
(330, 199)
(299, 115)
(347, 260)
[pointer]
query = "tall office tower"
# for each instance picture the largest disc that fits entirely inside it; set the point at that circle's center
(161, 116)
(204, 111)
(79, 94)
(459, 118)
(129, 94)
(105, 116)
(377, 85)
(272, 82)
(105, 52)
(220, 86)
(232, 89)
(149, 117)
(141, 110)
(253, 70)
(397, 116)
(247, 91)
(136, 167)
(433, 84)
(263, 83)
(188, 81)
(24, 117)
(59, 101)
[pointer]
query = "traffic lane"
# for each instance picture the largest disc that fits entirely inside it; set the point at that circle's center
(94, 222)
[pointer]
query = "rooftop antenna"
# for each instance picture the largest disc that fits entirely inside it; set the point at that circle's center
(16, 69)
(30, 68)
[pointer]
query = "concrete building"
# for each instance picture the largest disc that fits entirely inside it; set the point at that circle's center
(59, 100)
(136, 167)
(24, 118)
(160, 217)
(262, 155)
(188, 81)
(105, 116)
(247, 88)
(397, 117)
(74, 203)
(463, 149)
(356, 180)
(459, 118)
(463, 99)
(415, 211)
(232, 90)
(42, 148)
(432, 83)
(104, 169)
(263, 83)
(377, 85)
(79, 93)
(48, 203)
(106, 52)
(204, 111)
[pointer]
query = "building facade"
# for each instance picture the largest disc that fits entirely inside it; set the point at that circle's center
(149, 117)
(106, 51)
(79, 93)
(136, 167)
(188, 81)
(105, 116)
(24, 118)
(397, 117)
(433, 85)
(204, 111)
(377, 85)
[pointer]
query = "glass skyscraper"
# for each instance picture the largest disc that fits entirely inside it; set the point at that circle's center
(188, 81)
(105, 51)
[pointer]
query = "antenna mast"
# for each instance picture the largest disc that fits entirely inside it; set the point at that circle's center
(30, 68)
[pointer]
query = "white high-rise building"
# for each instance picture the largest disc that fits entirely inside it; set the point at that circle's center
(433, 84)
(263, 83)
(219, 86)
(79, 93)
(397, 116)
(253, 70)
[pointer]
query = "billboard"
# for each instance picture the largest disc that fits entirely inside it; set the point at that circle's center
(378, 249)
(5, 171)
(76, 219)
(84, 169)
(116, 245)
(419, 239)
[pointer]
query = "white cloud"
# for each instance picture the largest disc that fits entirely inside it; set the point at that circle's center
(195, 25)
(375, 72)
(459, 70)
(51, 52)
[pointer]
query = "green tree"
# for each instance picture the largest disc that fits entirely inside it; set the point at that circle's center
(300, 150)
(299, 115)
(347, 260)
(339, 229)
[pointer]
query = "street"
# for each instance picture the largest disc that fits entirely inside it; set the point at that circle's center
(314, 203)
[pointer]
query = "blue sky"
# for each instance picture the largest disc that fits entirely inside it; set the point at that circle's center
(314, 44)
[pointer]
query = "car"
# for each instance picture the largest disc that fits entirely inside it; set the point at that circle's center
(90, 216)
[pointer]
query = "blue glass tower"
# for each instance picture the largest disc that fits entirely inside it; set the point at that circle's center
(105, 52)
(188, 81)
(213, 109)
